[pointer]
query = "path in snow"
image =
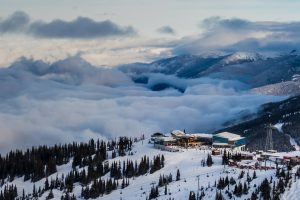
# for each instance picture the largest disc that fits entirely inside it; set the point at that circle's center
(294, 143)
(293, 193)
(278, 126)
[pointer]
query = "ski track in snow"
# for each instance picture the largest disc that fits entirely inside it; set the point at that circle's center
(292, 193)
(278, 126)
(294, 143)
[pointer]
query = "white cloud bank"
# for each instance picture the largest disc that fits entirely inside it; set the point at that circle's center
(71, 100)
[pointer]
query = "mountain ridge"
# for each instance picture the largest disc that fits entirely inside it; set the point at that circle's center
(286, 112)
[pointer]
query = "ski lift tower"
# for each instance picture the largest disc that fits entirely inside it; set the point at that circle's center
(269, 138)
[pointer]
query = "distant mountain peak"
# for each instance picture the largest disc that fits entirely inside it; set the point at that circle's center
(242, 56)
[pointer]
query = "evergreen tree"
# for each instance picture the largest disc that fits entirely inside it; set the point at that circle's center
(178, 175)
(253, 196)
(254, 175)
(166, 190)
(50, 195)
(298, 172)
(232, 181)
(241, 174)
(192, 195)
(219, 196)
(46, 185)
(209, 161)
(160, 181)
(280, 186)
(153, 193)
(265, 190)
(245, 188)
(170, 178)
(225, 158)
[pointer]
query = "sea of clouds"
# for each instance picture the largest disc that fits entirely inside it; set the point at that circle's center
(71, 100)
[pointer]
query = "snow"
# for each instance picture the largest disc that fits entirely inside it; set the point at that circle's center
(292, 193)
(178, 133)
(286, 88)
(202, 135)
(293, 143)
(28, 185)
(220, 143)
(242, 56)
(188, 161)
(278, 126)
(228, 135)
(296, 77)
(167, 139)
(289, 154)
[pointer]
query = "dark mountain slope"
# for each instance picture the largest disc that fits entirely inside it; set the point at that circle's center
(260, 72)
(185, 66)
(286, 112)
(249, 68)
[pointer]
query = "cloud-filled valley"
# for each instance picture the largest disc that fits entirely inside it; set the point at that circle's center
(70, 99)
(74, 81)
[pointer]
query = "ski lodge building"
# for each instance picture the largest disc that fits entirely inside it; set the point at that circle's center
(191, 140)
(180, 138)
(229, 140)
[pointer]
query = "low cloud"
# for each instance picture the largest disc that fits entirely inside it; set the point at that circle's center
(17, 22)
(166, 30)
(70, 100)
(236, 34)
(81, 27)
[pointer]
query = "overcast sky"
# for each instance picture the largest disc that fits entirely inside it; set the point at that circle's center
(112, 32)
(147, 16)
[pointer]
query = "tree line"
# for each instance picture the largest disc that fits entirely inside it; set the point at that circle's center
(39, 162)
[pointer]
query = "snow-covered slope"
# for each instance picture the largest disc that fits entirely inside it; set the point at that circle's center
(293, 192)
(188, 161)
(239, 57)
(190, 66)
(187, 66)
(248, 67)
(286, 88)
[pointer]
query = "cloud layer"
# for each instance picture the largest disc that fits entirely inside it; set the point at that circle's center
(71, 100)
(236, 34)
(82, 27)
(105, 43)
(166, 30)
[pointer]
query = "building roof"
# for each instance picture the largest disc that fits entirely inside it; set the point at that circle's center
(166, 139)
(245, 153)
(157, 135)
(230, 136)
(220, 144)
(202, 135)
(177, 133)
